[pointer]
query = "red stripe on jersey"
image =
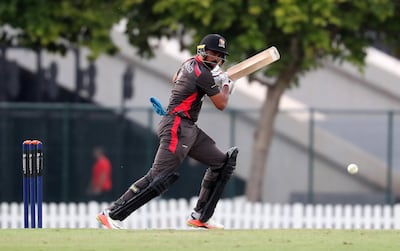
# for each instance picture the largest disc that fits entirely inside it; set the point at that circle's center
(197, 58)
(185, 105)
(197, 70)
(174, 134)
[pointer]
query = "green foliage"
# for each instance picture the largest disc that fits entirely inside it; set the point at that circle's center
(56, 25)
(304, 31)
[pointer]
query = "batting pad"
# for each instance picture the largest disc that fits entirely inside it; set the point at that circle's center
(154, 189)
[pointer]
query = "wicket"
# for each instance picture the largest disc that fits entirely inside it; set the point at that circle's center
(32, 167)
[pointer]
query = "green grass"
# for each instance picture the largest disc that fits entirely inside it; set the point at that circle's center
(202, 240)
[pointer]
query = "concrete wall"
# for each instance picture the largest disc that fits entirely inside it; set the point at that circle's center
(343, 86)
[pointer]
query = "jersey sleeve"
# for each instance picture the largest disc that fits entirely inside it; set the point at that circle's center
(207, 84)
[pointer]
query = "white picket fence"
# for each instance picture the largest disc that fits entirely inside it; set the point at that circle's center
(234, 214)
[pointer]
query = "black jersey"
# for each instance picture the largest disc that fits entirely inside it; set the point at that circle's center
(193, 81)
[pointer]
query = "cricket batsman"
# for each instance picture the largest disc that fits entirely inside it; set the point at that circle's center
(180, 137)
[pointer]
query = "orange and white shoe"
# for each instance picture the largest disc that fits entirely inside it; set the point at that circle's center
(193, 221)
(105, 219)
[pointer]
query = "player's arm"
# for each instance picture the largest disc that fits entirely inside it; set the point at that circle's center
(218, 87)
(220, 100)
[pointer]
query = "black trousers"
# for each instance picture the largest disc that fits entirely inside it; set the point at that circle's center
(180, 137)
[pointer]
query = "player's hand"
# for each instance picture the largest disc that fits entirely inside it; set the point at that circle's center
(231, 85)
(220, 77)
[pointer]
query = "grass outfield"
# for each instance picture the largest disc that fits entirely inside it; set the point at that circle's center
(202, 240)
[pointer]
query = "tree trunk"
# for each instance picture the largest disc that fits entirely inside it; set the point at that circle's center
(262, 141)
(264, 131)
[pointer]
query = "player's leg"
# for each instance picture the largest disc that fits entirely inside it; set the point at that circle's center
(158, 179)
(221, 166)
(224, 176)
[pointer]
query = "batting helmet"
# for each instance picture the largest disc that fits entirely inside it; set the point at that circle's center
(213, 42)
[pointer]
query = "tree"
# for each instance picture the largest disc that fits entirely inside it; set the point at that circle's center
(306, 32)
(59, 25)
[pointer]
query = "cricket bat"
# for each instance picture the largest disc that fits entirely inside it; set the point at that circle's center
(253, 63)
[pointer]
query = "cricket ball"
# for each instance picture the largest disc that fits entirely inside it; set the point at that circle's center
(352, 168)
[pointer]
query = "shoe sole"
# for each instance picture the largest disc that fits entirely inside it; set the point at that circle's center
(199, 224)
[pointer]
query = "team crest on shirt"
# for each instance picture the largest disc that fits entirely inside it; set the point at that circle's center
(189, 68)
(221, 43)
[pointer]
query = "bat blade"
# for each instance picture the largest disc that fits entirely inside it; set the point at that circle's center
(253, 63)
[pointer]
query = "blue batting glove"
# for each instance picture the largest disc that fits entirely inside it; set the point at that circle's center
(157, 106)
